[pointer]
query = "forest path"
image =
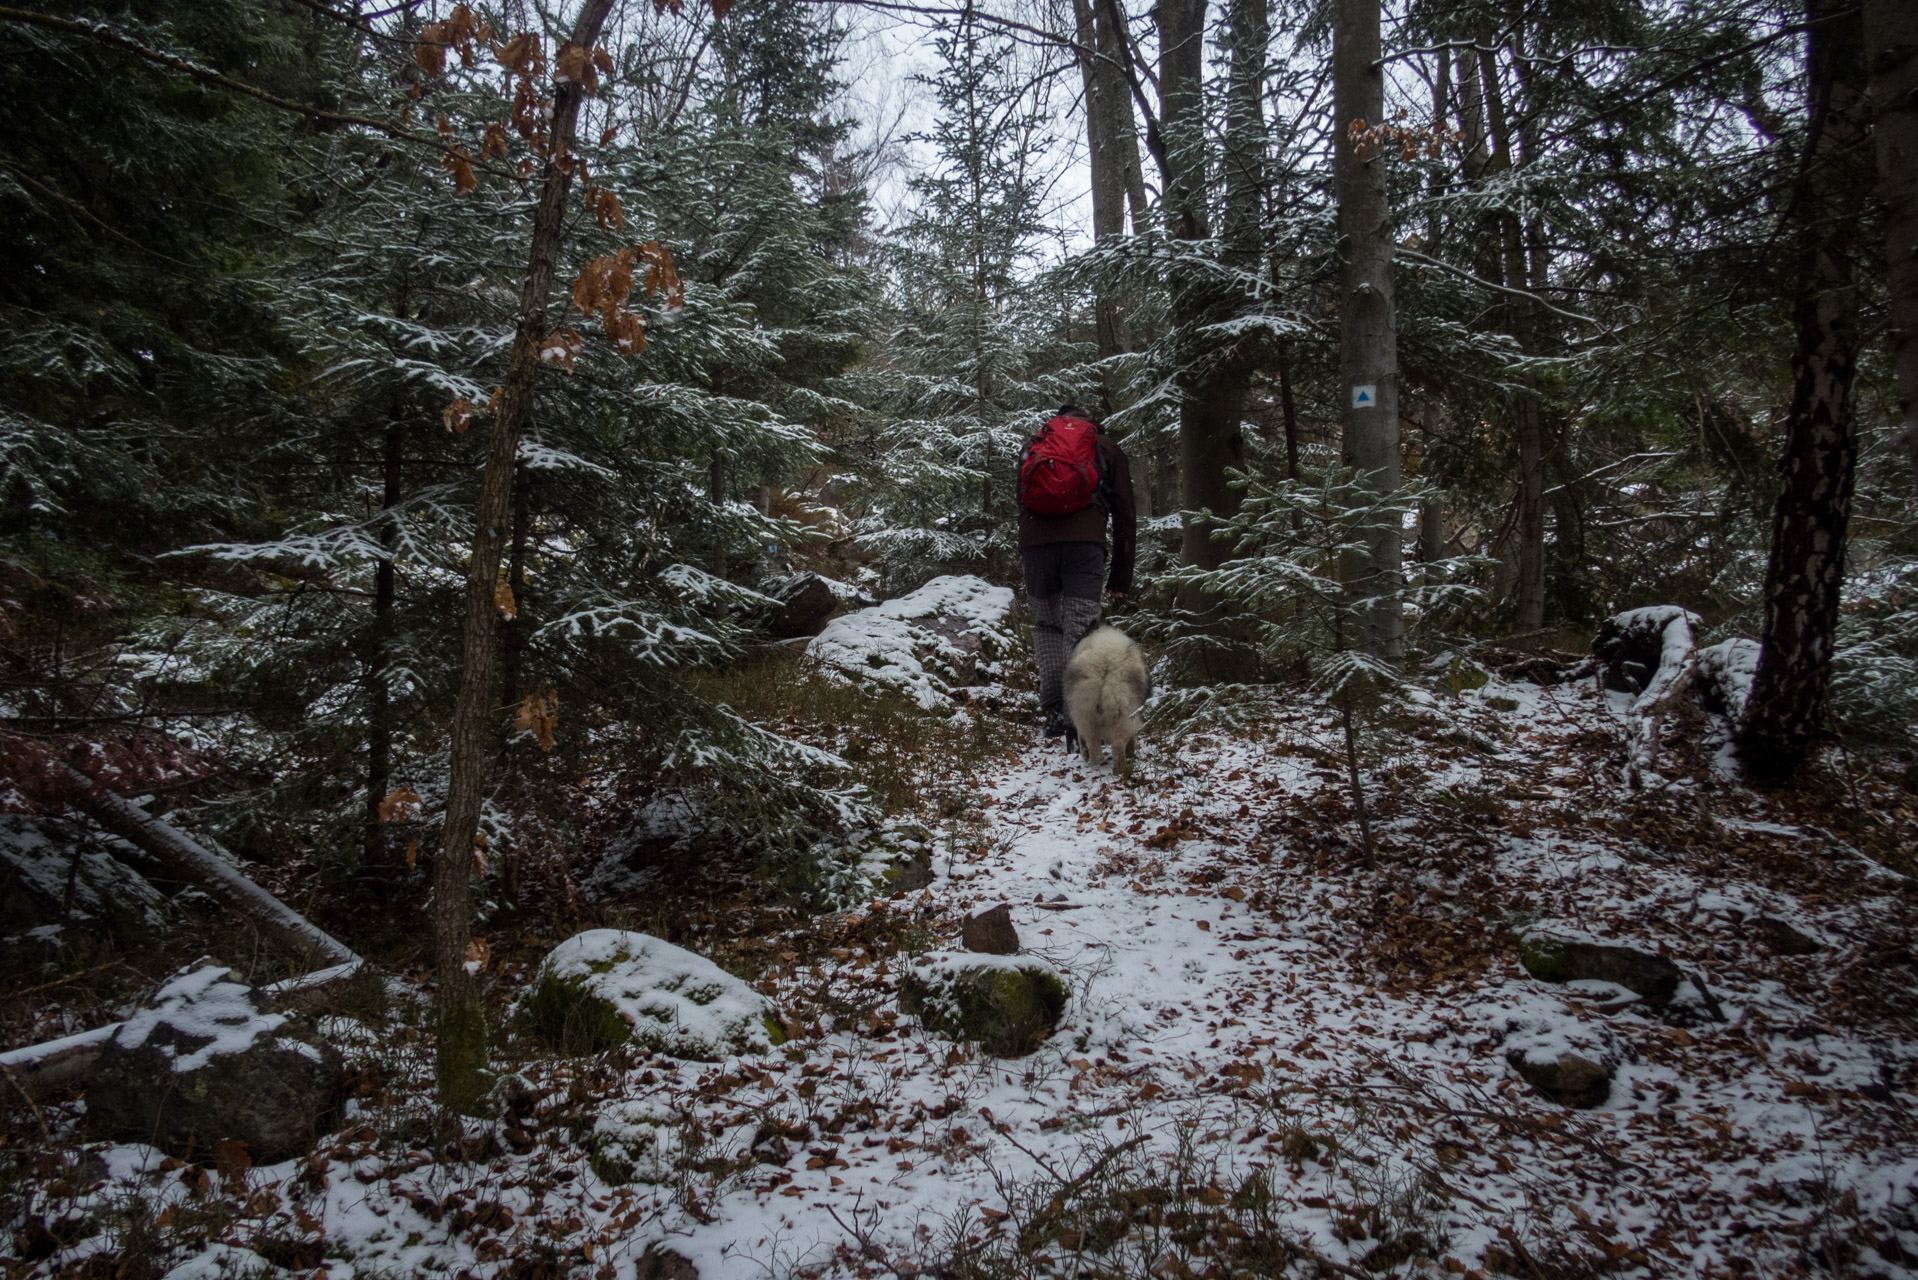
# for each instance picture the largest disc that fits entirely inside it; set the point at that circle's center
(1250, 1006)
(1272, 1056)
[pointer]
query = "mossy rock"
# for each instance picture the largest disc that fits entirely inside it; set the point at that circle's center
(606, 986)
(1008, 1008)
(574, 1021)
(1552, 959)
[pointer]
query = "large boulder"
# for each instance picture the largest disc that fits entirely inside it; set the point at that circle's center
(1555, 959)
(605, 986)
(1008, 1007)
(926, 644)
(210, 1059)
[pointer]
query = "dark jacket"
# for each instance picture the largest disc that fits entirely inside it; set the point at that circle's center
(1089, 525)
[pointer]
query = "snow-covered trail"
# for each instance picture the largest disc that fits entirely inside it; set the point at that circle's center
(1248, 1003)
(1272, 1058)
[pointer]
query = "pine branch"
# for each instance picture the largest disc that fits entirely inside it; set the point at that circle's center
(92, 217)
(119, 40)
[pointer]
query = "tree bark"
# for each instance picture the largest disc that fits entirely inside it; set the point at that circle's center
(1789, 706)
(1431, 510)
(1891, 50)
(1368, 333)
(475, 714)
(1107, 104)
(716, 494)
(513, 644)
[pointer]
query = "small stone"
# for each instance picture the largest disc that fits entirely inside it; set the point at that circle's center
(1560, 960)
(991, 932)
(665, 1264)
(1780, 938)
(1572, 1079)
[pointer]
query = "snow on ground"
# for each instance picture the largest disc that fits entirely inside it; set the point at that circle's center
(1274, 1060)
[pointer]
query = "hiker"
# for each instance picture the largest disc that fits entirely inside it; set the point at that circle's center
(1072, 480)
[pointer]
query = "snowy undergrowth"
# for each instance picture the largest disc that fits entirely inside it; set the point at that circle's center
(1273, 1063)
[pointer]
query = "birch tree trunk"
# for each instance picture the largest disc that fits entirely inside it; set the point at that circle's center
(1891, 50)
(1368, 333)
(1789, 706)
(461, 1039)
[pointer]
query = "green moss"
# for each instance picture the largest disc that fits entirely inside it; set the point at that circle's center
(459, 1059)
(1461, 675)
(1007, 1011)
(1544, 959)
(774, 1031)
(571, 1019)
(611, 1163)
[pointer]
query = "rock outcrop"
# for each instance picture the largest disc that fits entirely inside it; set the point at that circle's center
(928, 644)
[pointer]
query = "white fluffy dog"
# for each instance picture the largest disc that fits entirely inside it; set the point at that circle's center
(1106, 685)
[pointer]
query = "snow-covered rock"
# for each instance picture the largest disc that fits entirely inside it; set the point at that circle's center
(1571, 1062)
(926, 643)
(606, 985)
(208, 1059)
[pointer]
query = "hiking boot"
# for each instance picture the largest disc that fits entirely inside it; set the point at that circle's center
(1056, 723)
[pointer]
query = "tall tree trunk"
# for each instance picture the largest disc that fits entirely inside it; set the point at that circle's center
(1212, 400)
(1288, 410)
(379, 711)
(1789, 703)
(1108, 175)
(1528, 426)
(1368, 333)
(1891, 49)
(461, 1049)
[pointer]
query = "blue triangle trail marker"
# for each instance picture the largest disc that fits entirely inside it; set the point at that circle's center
(1366, 397)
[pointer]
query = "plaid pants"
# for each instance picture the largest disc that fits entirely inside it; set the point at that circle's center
(1058, 624)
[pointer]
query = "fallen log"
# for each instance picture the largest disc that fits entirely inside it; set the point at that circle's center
(37, 1070)
(1652, 653)
(193, 862)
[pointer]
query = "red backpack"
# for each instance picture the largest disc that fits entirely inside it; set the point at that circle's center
(1060, 472)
